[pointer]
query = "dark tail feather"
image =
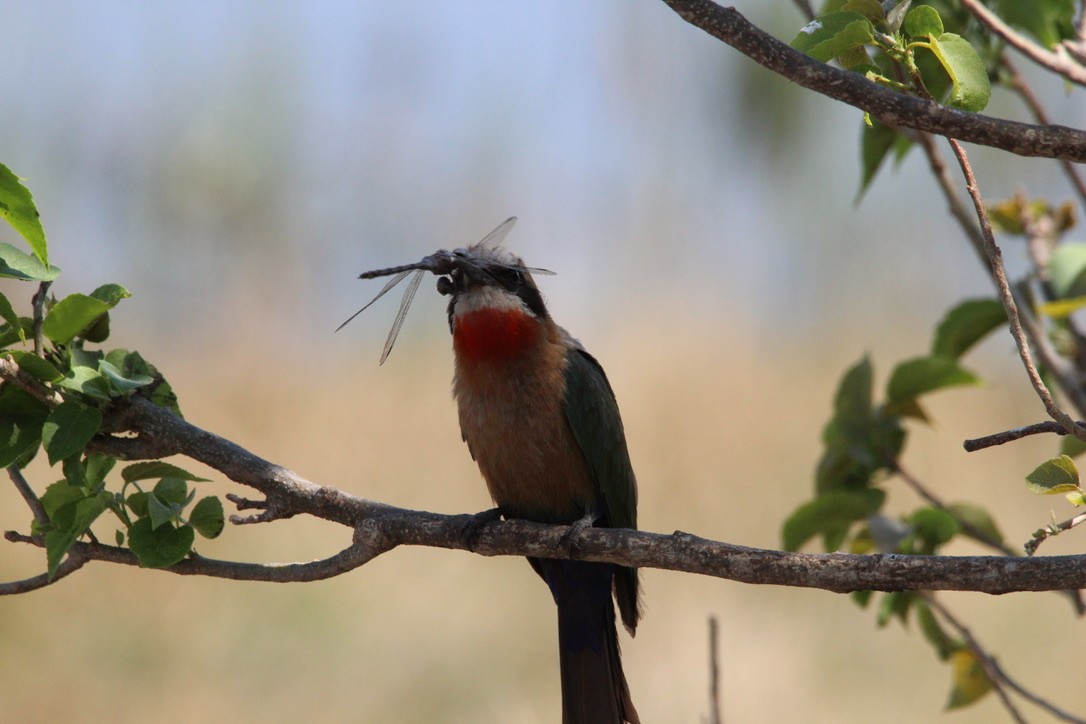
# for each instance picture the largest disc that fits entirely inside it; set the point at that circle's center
(594, 689)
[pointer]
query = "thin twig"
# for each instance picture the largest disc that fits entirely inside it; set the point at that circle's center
(968, 528)
(957, 208)
(1047, 532)
(1021, 87)
(994, 671)
(1059, 64)
(28, 494)
(999, 274)
(714, 672)
(350, 558)
(1001, 438)
(987, 663)
(805, 8)
(38, 305)
(977, 534)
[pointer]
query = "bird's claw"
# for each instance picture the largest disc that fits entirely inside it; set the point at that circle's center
(567, 544)
(472, 526)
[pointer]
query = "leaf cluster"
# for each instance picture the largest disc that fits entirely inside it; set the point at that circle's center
(55, 347)
(931, 49)
(863, 442)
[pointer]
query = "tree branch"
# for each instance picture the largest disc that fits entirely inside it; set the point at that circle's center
(995, 257)
(1048, 531)
(1000, 438)
(379, 527)
(995, 673)
(890, 107)
(1059, 64)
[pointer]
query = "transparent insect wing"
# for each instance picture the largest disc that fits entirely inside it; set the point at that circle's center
(401, 315)
(495, 238)
(384, 290)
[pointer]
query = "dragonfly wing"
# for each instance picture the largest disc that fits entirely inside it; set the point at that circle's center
(391, 283)
(401, 315)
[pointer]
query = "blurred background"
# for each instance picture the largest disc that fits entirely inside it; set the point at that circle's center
(236, 164)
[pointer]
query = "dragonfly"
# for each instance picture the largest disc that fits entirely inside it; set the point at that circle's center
(441, 263)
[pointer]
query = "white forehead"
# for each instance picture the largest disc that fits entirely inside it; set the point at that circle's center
(493, 254)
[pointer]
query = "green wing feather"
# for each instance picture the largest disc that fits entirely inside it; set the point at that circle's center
(593, 417)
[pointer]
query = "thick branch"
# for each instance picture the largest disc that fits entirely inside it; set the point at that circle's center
(678, 551)
(890, 107)
(379, 527)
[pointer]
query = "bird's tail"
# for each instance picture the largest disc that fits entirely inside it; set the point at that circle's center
(594, 689)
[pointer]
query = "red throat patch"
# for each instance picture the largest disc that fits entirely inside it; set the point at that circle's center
(494, 334)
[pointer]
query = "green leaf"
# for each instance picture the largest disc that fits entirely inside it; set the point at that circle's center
(894, 604)
(970, 682)
(876, 140)
(17, 264)
(111, 294)
(41, 369)
(923, 20)
(137, 503)
(966, 324)
(57, 496)
(852, 402)
(207, 517)
(82, 514)
(1062, 308)
(870, 9)
(68, 429)
(977, 518)
(1058, 475)
(172, 491)
(1050, 21)
(97, 331)
(1071, 446)
(87, 381)
(97, 467)
(120, 382)
(21, 418)
(934, 527)
(157, 469)
(161, 512)
(17, 207)
(922, 375)
(72, 315)
(829, 513)
(74, 472)
(1067, 270)
(970, 88)
(7, 313)
(159, 547)
(944, 645)
(833, 34)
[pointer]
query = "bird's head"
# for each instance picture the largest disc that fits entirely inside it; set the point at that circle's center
(494, 304)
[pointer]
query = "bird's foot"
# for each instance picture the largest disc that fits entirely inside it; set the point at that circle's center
(567, 544)
(472, 526)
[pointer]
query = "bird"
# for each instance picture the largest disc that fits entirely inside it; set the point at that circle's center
(540, 419)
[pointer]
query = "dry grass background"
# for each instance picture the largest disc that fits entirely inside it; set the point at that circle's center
(723, 429)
